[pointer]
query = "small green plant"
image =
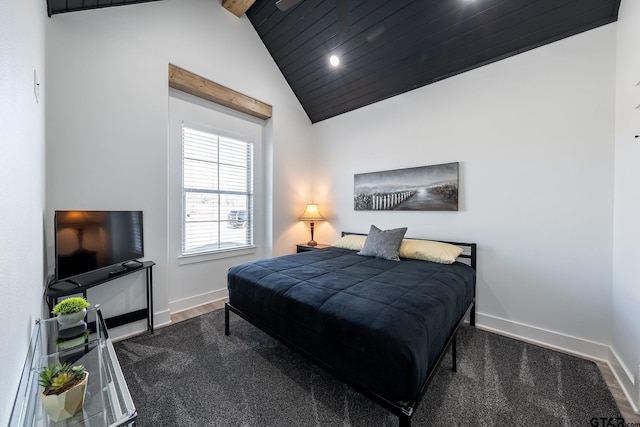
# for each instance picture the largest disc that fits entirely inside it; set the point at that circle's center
(70, 305)
(59, 378)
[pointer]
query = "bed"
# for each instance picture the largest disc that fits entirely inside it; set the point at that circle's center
(380, 325)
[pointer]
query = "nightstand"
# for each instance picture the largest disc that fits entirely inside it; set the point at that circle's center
(303, 247)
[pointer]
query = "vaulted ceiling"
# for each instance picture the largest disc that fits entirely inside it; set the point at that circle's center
(394, 46)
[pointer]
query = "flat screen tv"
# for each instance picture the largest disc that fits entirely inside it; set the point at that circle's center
(87, 241)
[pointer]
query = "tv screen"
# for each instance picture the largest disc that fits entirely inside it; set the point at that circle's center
(90, 240)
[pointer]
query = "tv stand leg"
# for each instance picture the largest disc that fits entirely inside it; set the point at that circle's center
(226, 320)
(150, 299)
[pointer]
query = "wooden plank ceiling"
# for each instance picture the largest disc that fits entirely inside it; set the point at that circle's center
(64, 6)
(394, 46)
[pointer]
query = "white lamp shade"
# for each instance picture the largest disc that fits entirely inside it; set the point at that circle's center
(311, 213)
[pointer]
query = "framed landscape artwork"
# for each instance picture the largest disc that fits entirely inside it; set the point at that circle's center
(425, 188)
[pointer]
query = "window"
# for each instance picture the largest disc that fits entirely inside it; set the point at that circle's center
(217, 192)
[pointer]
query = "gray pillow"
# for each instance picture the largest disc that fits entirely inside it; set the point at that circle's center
(383, 243)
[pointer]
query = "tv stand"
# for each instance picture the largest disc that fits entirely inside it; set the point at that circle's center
(80, 285)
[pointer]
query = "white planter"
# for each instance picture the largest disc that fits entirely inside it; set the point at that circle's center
(65, 405)
(71, 319)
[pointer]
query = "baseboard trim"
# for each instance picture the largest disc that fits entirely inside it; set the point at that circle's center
(197, 300)
(626, 380)
(543, 337)
(123, 332)
(161, 319)
(567, 344)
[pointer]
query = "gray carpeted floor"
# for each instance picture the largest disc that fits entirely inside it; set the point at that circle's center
(191, 374)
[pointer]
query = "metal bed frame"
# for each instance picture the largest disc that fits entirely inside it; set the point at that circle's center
(404, 411)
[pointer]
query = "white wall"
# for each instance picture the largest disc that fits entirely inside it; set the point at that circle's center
(626, 252)
(22, 271)
(107, 114)
(534, 137)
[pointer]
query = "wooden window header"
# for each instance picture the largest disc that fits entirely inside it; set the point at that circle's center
(195, 85)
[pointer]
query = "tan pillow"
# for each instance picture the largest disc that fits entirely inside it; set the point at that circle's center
(355, 242)
(428, 250)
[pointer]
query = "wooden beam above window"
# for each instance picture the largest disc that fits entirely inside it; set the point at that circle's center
(195, 85)
(237, 7)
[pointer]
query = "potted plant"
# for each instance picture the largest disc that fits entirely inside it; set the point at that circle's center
(70, 311)
(64, 387)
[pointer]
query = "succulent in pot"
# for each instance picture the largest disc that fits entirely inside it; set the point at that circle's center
(64, 390)
(70, 311)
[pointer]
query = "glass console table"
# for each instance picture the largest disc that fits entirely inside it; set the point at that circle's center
(107, 399)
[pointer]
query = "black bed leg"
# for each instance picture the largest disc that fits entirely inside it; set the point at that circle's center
(472, 316)
(454, 354)
(404, 421)
(226, 319)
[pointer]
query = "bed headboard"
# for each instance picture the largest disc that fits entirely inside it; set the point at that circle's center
(468, 249)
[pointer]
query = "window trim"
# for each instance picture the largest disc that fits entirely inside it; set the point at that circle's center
(197, 110)
(189, 258)
(212, 256)
(193, 84)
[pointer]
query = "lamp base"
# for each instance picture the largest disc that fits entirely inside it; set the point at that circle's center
(312, 243)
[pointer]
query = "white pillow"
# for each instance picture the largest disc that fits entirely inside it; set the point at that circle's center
(428, 250)
(355, 242)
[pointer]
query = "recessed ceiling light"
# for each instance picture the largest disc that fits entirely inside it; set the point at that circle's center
(334, 60)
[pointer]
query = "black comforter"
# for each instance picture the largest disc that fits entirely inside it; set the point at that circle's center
(380, 324)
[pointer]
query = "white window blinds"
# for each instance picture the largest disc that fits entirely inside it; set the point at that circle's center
(217, 192)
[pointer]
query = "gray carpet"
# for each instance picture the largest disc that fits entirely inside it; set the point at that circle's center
(191, 374)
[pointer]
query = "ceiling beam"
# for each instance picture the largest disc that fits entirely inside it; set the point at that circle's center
(237, 7)
(195, 85)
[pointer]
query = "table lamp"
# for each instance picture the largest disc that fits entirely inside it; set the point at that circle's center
(311, 214)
